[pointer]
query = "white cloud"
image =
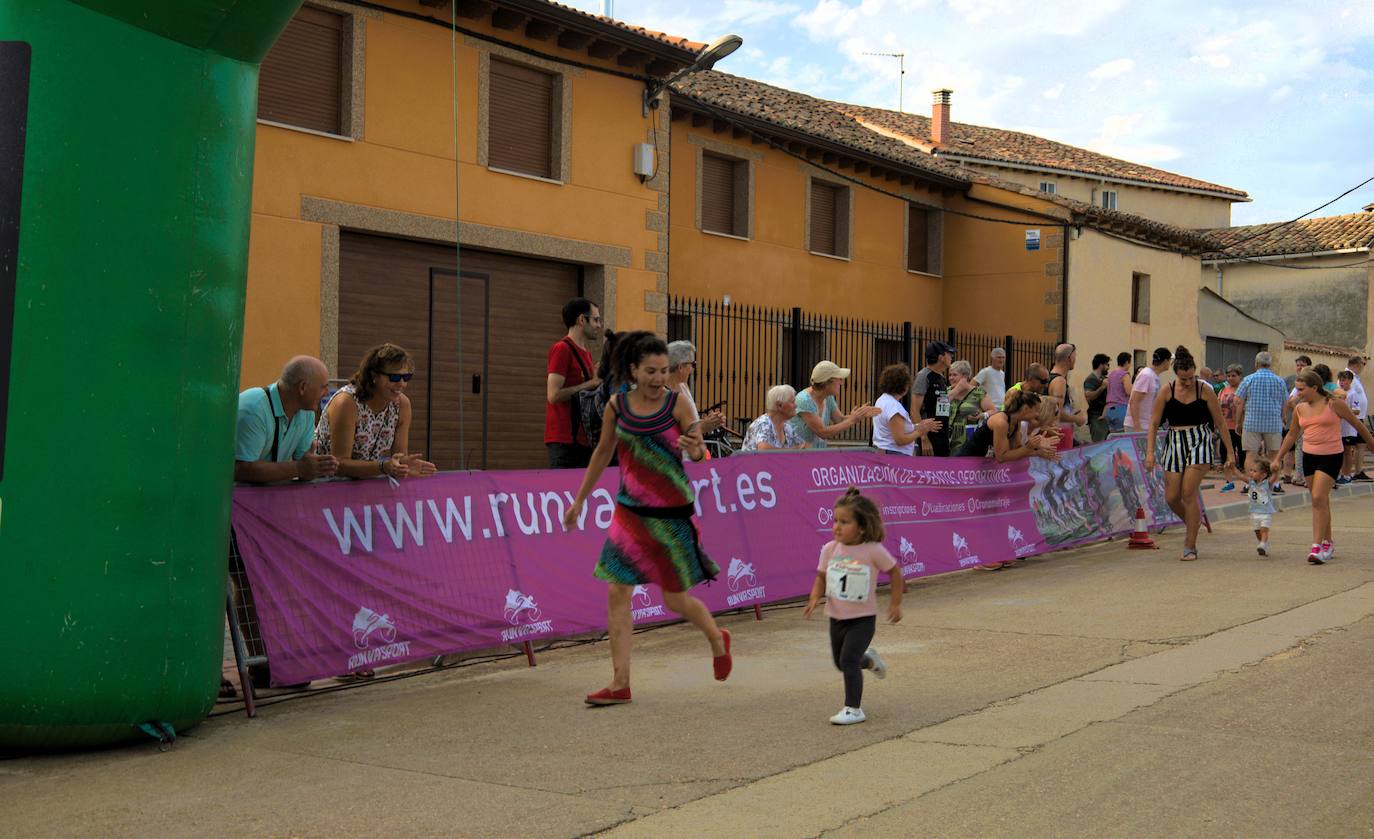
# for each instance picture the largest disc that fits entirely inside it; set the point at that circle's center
(1219, 60)
(1112, 69)
(1206, 86)
(1124, 136)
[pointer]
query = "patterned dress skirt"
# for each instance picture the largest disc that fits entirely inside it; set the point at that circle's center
(1184, 447)
(652, 538)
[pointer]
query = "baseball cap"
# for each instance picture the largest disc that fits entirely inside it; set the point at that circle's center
(827, 370)
(935, 348)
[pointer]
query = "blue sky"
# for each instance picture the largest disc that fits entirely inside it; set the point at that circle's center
(1275, 98)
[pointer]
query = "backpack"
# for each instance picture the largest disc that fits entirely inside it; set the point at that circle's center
(591, 406)
(584, 409)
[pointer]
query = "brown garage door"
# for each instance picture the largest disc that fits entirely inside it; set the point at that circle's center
(481, 405)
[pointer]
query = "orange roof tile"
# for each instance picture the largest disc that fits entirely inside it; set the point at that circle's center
(999, 145)
(1310, 235)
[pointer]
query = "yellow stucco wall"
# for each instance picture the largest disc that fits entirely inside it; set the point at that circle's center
(994, 284)
(774, 268)
(989, 282)
(404, 161)
(1100, 271)
(1178, 208)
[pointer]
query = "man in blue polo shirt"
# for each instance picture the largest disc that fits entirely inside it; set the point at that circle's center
(1259, 410)
(276, 425)
(272, 442)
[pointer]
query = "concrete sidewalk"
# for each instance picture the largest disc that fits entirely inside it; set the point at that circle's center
(1096, 691)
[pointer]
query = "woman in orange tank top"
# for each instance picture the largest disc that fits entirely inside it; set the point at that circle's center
(1319, 418)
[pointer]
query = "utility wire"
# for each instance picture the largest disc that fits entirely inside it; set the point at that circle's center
(1270, 230)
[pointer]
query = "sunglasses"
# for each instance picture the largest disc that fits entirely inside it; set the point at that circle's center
(397, 377)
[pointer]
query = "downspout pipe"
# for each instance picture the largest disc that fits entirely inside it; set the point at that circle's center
(1064, 288)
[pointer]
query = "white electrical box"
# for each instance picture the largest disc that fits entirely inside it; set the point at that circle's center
(644, 160)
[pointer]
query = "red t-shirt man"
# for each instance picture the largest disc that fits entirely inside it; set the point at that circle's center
(570, 370)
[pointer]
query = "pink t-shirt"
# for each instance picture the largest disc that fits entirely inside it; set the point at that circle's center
(1146, 383)
(845, 567)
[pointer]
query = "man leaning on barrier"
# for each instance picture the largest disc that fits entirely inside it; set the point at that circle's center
(272, 439)
(276, 425)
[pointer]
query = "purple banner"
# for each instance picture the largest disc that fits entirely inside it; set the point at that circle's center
(354, 574)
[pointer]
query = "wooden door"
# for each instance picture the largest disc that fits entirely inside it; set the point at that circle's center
(478, 395)
(404, 292)
(525, 318)
(456, 436)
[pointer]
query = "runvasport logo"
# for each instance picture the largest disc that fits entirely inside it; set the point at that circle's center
(1017, 540)
(642, 605)
(368, 623)
(520, 607)
(740, 578)
(962, 552)
(523, 614)
(374, 634)
(911, 564)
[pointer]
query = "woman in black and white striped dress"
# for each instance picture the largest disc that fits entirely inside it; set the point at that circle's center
(1193, 416)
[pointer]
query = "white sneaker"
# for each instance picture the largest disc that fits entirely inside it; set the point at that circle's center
(848, 716)
(877, 666)
(1262, 549)
(1317, 556)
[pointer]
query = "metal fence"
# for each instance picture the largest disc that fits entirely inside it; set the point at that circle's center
(744, 350)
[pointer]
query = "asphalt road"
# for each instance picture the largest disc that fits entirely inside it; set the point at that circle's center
(1098, 691)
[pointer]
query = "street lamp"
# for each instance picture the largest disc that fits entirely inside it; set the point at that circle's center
(715, 51)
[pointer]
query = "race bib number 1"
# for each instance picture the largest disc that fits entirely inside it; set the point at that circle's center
(942, 405)
(848, 580)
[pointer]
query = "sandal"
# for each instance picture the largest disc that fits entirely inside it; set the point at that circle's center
(1189, 554)
(991, 566)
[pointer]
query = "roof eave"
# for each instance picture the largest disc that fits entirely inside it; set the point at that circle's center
(1274, 257)
(964, 157)
(573, 19)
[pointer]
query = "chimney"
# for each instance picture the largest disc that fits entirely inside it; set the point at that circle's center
(939, 117)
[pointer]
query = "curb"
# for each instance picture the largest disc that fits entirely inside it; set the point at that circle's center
(1291, 499)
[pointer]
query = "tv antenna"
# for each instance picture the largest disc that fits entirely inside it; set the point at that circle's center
(901, 68)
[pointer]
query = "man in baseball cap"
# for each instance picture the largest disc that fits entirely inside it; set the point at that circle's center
(932, 389)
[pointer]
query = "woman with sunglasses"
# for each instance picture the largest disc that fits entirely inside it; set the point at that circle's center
(367, 423)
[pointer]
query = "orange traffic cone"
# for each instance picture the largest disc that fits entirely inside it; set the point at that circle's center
(1140, 539)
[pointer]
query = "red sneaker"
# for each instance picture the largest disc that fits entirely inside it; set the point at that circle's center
(723, 663)
(606, 696)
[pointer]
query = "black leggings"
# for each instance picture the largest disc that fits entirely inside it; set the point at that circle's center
(1236, 447)
(849, 640)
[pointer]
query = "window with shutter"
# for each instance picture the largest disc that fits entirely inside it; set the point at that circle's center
(301, 81)
(719, 198)
(521, 120)
(918, 239)
(1140, 298)
(829, 222)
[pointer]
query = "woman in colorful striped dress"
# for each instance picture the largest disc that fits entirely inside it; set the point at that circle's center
(652, 538)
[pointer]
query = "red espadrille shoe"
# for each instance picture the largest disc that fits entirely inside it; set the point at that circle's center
(723, 663)
(606, 696)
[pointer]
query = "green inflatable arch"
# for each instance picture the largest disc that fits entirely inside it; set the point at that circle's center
(126, 167)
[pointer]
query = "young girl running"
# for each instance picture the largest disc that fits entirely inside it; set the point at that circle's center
(652, 538)
(1260, 492)
(848, 576)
